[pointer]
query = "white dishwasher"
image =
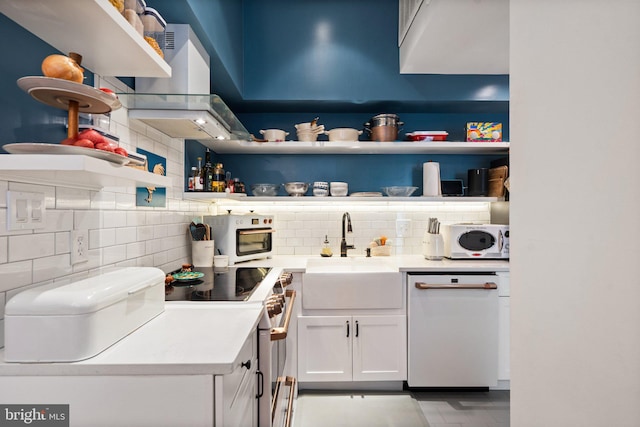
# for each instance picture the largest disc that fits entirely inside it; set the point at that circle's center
(453, 330)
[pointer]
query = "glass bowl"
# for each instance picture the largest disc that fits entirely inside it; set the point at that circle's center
(264, 190)
(399, 191)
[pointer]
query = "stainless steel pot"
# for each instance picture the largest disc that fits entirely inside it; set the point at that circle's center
(384, 127)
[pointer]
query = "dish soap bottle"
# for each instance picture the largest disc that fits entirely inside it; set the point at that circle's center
(326, 249)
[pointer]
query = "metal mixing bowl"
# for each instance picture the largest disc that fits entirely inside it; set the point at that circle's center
(264, 190)
(296, 188)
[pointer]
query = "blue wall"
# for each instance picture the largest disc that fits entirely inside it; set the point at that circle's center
(339, 50)
(282, 62)
(22, 118)
(218, 25)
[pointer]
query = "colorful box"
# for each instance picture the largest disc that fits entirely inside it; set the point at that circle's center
(484, 132)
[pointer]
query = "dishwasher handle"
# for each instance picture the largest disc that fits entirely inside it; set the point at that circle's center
(425, 286)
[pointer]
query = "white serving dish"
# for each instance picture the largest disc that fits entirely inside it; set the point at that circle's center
(343, 134)
(274, 135)
(76, 321)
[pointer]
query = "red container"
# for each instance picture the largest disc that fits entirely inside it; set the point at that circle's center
(428, 135)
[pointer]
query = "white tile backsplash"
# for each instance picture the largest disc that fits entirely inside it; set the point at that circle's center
(121, 234)
(300, 228)
(31, 246)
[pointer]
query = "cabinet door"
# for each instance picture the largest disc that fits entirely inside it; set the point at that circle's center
(379, 348)
(504, 311)
(236, 392)
(324, 348)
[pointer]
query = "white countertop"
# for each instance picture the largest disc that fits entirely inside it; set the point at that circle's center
(407, 263)
(190, 339)
(187, 339)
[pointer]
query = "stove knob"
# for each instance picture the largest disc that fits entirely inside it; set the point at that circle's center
(270, 311)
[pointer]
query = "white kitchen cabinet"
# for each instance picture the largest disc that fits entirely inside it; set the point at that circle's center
(236, 392)
(478, 43)
(130, 400)
(352, 348)
(504, 312)
(504, 330)
(198, 400)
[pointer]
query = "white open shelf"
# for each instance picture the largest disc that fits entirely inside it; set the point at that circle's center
(214, 197)
(109, 45)
(357, 147)
(75, 171)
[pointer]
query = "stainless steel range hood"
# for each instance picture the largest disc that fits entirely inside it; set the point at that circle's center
(182, 106)
(199, 117)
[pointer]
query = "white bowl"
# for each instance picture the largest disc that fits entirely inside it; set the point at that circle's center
(343, 134)
(221, 260)
(339, 189)
(320, 192)
(305, 135)
(274, 135)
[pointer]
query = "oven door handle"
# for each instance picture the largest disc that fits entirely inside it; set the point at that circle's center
(291, 382)
(280, 333)
(284, 382)
(256, 231)
(425, 286)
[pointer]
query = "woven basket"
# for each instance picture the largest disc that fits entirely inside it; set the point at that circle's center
(381, 250)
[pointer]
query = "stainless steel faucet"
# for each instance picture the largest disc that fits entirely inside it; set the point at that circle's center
(343, 243)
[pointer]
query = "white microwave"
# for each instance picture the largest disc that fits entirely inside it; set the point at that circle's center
(473, 241)
(243, 237)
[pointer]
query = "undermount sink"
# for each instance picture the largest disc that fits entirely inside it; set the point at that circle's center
(350, 265)
(351, 283)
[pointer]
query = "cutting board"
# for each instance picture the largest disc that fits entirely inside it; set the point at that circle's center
(497, 176)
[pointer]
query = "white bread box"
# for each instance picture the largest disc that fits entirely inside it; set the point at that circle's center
(76, 321)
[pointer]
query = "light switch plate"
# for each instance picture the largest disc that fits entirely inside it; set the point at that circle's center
(25, 210)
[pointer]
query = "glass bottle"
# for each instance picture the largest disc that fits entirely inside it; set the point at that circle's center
(207, 173)
(229, 183)
(219, 184)
(238, 186)
(326, 249)
(198, 182)
(192, 177)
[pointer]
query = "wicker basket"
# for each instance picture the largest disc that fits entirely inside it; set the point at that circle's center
(381, 250)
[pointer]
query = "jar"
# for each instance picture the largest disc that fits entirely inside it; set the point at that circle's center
(218, 184)
(154, 26)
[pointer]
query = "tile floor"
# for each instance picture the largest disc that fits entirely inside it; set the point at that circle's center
(440, 408)
(465, 409)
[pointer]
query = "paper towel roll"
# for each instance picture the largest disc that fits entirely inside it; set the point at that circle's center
(431, 179)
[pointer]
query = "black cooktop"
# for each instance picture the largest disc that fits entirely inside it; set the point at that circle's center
(217, 284)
